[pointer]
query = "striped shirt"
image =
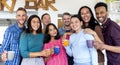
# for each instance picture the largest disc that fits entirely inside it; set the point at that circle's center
(11, 43)
(61, 58)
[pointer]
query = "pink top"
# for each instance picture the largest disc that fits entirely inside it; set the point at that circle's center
(61, 58)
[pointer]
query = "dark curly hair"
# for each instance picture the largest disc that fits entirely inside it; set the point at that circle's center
(29, 27)
(47, 36)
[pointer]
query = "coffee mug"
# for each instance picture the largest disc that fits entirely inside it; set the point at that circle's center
(56, 49)
(67, 37)
(10, 55)
(66, 43)
(90, 43)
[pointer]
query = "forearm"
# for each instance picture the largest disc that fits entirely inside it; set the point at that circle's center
(94, 56)
(68, 51)
(97, 37)
(34, 54)
(115, 49)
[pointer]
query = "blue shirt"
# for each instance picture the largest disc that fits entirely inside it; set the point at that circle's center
(62, 30)
(30, 43)
(79, 50)
(11, 43)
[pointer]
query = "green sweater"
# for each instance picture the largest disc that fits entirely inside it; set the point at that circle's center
(30, 43)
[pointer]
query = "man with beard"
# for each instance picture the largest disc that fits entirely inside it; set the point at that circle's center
(66, 23)
(66, 29)
(11, 38)
(111, 33)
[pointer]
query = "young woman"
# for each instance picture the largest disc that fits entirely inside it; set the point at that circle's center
(78, 47)
(31, 43)
(86, 15)
(52, 39)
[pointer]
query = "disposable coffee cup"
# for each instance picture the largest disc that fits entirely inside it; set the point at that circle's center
(10, 55)
(56, 49)
(89, 43)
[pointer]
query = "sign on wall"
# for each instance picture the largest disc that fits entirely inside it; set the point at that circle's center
(44, 4)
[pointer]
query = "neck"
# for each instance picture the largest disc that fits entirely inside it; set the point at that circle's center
(34, 32)
(105, 21)
(20, 25)
(86, 24)
(52, 38)
(44, 26)
(67, 27)
(78, 30)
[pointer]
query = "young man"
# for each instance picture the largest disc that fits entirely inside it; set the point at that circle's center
(111, 33)
(45, 20)
(11, 38)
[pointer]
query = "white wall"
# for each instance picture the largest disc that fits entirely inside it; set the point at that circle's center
(71, 6)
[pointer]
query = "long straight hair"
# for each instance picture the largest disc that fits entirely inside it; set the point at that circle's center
(92, 23)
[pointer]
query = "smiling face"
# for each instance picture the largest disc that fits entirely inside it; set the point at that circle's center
(52, 31)
(86, 15)
(46, 19)
(66, 20)
(21, 17)
(101, 14)
(35, 24)
(76, 24)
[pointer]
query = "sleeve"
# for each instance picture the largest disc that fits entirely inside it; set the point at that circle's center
(115, 35)
(23, 46)
(6, 41)
(94, 56)
(89, 37)
(69, 48)
(92, 51)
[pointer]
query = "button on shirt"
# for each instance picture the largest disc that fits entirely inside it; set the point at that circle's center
(11, 43)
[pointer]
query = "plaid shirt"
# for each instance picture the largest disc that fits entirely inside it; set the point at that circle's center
(11, 43)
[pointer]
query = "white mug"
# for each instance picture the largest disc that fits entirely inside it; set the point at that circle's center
(10, 55)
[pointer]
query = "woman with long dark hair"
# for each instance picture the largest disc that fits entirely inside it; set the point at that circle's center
(89, 21)
(31, 43)
(52, 39)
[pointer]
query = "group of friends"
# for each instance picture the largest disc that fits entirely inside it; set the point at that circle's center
(34, 45)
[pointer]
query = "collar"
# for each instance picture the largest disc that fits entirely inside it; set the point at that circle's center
(18, 28)
(107, 23)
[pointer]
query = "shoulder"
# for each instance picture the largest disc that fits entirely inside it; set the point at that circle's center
(24, 34)
(88, 36)
(114, 26)
(41, 35)
(11, 28)
(61, 29)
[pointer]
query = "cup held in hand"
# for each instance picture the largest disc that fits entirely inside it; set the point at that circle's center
(56, 49)
(66, 43)
(10, 55)
(89, 43)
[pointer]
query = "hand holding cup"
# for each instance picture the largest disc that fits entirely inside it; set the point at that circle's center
(56, 49)
(90, 43)
(10, 55)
